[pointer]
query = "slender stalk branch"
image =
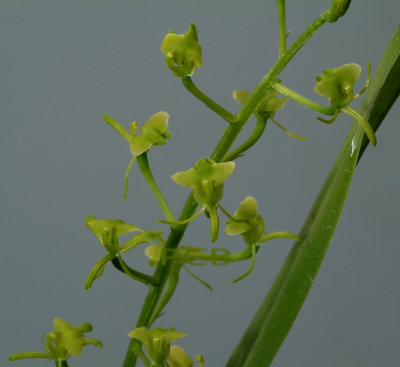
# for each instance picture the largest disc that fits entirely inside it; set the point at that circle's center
(23, 355)
(120, 264)
(253, 138)
(145, 169)
(211, 104)
(172, 283)
(282, 26)
(285, 91)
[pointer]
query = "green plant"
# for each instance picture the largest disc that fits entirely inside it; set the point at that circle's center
(206, 180)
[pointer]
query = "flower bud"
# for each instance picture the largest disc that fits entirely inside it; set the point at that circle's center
(338, 9)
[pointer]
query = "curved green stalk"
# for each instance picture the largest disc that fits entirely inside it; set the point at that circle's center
(364, 124)
(253, 138)
(173, 280)
(218, 154)
(253, 261)
(145, 169)
(285, 91)
(182, 222)
(146, 279)
(211, 104)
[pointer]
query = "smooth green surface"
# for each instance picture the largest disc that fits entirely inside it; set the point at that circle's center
(273, 320)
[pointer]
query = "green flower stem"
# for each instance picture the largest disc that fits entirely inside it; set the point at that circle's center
(144, 166)
(253, 261)
(173, 280)
(218, 154)
(23, 355)
(211, 104)
(61, 363)
(285, 91)
(282, 26)
(186, 221)
(364, 124)
(238, 256)
(253, 138)
(134, 274)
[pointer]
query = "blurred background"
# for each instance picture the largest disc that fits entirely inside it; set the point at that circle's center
(64, 64)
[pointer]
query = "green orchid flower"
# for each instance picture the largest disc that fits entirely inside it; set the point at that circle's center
(156, 342)
(107, 232)
(337, 85)
(250, 225)
(153, 132)
(247, 222)
(64, 341)
(182, 52)
(266, 109)
(206, 179)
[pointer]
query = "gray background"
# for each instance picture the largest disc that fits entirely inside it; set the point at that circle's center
(65, 63)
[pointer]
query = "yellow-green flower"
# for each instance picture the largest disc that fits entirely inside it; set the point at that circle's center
(182, 52)
(156, 342)
(247, 222)
(337, 84)
(64, 341)
(206, 179)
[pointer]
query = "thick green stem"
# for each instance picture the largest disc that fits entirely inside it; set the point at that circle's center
(145, 169)
(211, 104)
(218, 154)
